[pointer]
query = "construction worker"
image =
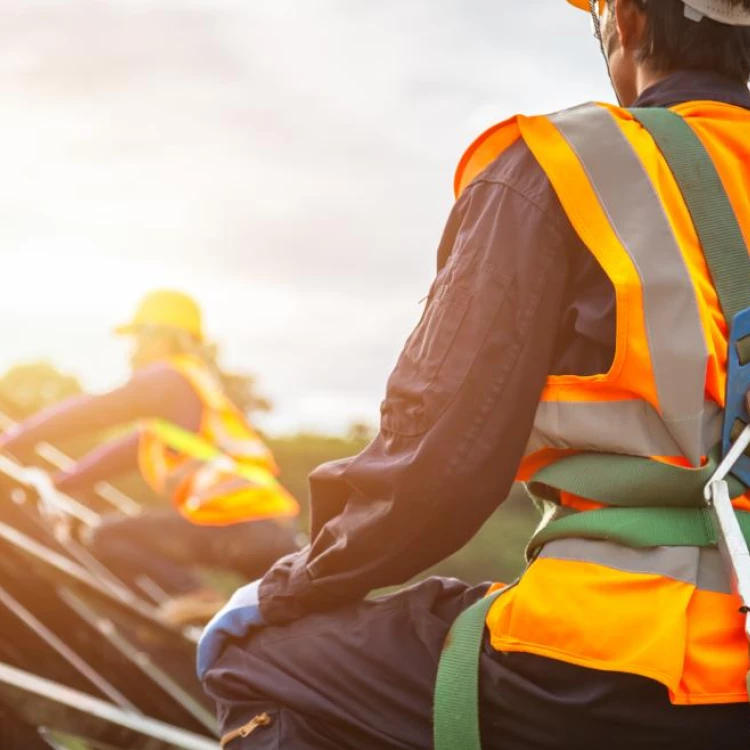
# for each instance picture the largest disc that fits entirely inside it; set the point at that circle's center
(192, 446)
(575, 338)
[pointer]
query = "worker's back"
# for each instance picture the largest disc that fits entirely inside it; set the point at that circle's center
(663, 398)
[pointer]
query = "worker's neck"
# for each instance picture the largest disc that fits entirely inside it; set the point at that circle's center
(645, 78)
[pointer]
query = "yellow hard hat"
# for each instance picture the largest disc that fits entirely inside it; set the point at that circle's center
(166, 308)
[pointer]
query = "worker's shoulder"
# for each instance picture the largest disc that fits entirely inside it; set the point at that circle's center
(163, 376)
(517, 169)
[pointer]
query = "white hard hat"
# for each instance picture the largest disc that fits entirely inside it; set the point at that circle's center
(722, 11)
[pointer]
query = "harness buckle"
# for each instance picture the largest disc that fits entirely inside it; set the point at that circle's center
(737, 407)
(730, 539)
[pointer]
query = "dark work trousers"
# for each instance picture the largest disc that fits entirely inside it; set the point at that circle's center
(163, 545)
(361, 678)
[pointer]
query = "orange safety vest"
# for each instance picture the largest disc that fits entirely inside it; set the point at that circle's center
(665, 613)
(222, 475)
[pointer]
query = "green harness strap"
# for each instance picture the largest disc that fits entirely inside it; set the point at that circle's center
(644, 527)
(618, 480)
(456, 708)
(652, 504)
(713, 217)
(632, 481)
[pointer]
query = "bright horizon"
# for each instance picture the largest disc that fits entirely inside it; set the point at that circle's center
(288, 163)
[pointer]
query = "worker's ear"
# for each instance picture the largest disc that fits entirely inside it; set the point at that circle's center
(630, 21)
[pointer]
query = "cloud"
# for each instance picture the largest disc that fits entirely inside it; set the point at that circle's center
(298, 152)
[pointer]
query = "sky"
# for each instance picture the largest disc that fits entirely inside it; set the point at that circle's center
(287, 162)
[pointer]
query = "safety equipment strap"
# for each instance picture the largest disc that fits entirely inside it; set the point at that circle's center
(651, 503)
(710, 208)
(632, 481)
(456, 705)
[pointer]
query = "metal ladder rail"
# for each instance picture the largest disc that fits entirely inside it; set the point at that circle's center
(107, 492)
(65, 652)
(45, 703)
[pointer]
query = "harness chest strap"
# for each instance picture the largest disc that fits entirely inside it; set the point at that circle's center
(651, 504)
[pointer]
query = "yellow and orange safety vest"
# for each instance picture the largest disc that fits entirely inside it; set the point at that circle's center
(223, 474)
(666, 613)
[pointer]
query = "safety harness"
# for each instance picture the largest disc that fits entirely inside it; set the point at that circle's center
(648, 503)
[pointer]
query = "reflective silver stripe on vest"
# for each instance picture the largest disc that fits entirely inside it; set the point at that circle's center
(698, 566)
(243, 448)
(631, 427)
(672, 320)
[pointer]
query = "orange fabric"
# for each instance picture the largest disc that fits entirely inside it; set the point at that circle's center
(233, 488)
(587, 614)
(482, 152)
(221, 419)
(690, 640)
(631, 375)
(225, 499)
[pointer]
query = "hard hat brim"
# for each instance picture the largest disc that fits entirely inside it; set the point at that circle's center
(581, 4)
(127, 329)
(133, 329)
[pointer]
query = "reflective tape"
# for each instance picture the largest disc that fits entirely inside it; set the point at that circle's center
(700, 567)
(252, 448)
(676, 343)
(631, 427)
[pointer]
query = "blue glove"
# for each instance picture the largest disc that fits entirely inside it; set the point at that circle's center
(238, 616)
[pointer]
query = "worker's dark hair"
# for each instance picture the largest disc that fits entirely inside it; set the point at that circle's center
(673, 42)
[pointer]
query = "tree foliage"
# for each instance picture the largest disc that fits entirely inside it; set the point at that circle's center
(27, 388)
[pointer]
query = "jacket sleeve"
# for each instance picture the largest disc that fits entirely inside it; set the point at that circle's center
(456, 417)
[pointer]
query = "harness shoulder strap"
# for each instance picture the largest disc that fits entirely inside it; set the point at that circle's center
(710, 208)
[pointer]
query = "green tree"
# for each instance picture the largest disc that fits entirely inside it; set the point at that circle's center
(27, 388)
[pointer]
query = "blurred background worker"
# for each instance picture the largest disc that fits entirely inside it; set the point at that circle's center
(192, 445)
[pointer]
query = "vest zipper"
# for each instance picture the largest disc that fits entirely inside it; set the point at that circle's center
(261, 720)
